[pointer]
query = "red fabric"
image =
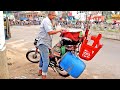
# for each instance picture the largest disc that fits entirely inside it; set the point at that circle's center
(71, 35)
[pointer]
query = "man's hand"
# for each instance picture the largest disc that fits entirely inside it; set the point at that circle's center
(64, 29)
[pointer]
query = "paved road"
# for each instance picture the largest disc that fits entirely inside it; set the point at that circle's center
(105, 65)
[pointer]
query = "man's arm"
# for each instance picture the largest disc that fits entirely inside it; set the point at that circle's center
(48, 27)
(54, 32)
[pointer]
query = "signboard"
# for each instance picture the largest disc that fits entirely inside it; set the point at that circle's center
(70, 13)
(2, 34)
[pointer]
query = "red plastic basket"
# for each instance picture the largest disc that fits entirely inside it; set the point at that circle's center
(87, 52)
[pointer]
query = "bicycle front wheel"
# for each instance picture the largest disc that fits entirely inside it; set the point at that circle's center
(61, 71)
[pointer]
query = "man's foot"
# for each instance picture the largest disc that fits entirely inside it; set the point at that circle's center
(43, 76)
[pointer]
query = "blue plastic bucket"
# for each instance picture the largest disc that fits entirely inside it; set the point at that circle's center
(72, 64)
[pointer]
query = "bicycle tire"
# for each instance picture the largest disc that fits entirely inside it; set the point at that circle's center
(61, 73)
(27, 56)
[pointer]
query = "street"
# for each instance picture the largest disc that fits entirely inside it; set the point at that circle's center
(105, 65)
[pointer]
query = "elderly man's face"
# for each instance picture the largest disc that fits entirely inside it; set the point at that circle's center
(53, 16)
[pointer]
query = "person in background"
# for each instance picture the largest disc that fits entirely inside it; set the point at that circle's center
(7, 28)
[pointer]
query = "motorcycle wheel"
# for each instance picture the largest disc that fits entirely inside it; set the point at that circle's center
(32, 57)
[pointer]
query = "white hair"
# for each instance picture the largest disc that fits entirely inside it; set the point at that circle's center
(51, 12)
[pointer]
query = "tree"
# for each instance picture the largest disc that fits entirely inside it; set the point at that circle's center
(107, 14)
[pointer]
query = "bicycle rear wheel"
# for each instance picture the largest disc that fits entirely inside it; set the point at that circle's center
(32, 56)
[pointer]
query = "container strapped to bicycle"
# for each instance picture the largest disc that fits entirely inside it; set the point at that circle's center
(73, 34)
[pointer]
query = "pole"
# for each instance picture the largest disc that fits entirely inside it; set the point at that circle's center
(4, 74)
(86, 19)
(87, 28)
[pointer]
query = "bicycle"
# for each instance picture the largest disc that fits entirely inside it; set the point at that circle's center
(57, 52)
